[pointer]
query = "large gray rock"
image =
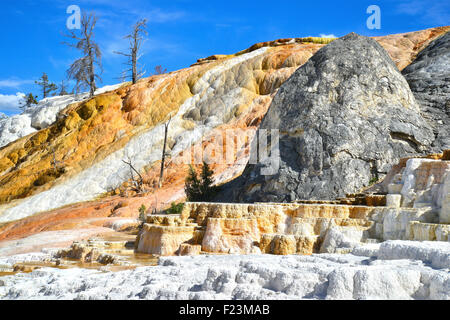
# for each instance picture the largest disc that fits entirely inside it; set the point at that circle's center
(345, 117)
(429, 79)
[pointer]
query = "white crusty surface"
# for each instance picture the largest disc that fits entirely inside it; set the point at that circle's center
(40, 116)
(265, 277)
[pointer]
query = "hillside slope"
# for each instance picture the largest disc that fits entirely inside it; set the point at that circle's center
(89, 139)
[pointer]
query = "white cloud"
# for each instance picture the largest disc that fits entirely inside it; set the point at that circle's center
(10, 103)
(150, 45)
(114, 15)
(14, 83)
(159, 16)
(115, 44)
(327, 35)
(60, 63)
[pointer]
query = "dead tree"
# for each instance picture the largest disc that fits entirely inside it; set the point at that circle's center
(138, 183)
(163, 157)
(155, 207)
(63, 89)
(83, 69)
(159, 70)
(136, 39)
(57, 165)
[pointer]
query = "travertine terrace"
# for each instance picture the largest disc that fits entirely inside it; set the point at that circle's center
(415, 207)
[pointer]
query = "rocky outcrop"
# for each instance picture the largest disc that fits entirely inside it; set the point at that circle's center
(429, 79)
(345, 117)
(92, 252)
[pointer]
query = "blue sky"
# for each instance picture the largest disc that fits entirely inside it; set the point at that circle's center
(182, 31)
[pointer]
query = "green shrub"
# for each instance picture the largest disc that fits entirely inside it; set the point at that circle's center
(316, 40)
(175, 208)
(372, 181)
(143, 214)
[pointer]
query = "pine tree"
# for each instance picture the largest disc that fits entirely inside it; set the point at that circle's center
(206, 188)
(46, 86)
(200, 190)
(192, 186)
(27, 102)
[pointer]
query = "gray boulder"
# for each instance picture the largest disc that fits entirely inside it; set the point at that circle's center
(429, 79)
(345, 117)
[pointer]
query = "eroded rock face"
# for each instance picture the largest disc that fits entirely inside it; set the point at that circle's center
(429, 79)
(236, 236)
(345, 117)
(419, 183)
(341, 238)
(163, 240)
(88, 252)
(425, 183)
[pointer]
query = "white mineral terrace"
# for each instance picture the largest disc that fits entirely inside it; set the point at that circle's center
(392, 270)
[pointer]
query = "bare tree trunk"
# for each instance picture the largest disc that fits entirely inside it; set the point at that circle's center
(54, 160)
(91, 62)
(163, 158)
(134, 59)
(91, 73)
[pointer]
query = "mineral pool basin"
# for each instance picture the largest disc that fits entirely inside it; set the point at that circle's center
(136, 260)
(125, 254)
